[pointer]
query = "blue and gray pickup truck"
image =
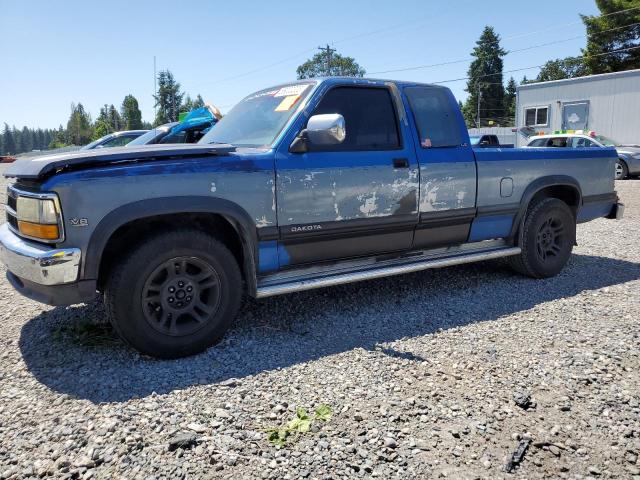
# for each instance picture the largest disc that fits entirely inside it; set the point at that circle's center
(304, 185)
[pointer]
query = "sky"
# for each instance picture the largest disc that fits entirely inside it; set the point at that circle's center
(56, 53)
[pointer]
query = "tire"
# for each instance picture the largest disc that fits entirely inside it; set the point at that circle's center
(622, 171)
(549, 233)
(175, 294)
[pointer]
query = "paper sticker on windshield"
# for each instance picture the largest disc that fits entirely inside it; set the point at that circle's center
(291, 90)
(287, 103)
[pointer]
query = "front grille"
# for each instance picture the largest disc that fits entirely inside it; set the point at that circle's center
(12, 221)
(12, 202)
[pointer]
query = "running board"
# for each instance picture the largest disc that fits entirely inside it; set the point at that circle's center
(386, 271)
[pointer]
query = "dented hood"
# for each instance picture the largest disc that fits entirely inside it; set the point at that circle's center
(38, 167)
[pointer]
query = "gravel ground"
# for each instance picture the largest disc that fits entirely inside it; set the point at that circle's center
(438, 374)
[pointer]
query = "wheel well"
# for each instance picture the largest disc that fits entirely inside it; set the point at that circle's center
(135, 232)
(568, 194)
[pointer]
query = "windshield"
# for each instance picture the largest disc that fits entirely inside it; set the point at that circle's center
(474, 140)
(150, 135)
(607, 142)
(258, 119)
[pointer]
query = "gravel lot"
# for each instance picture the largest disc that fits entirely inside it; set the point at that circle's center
(421, 372)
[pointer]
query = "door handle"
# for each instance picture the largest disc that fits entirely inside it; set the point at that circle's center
(400, 163)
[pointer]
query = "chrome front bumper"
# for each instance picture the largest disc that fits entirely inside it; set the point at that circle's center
(38, 263)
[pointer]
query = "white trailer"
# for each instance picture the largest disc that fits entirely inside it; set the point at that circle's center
(608, 104)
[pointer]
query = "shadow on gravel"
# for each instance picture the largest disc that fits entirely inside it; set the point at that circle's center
(283, 331)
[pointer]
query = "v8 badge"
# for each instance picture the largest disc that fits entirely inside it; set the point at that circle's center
(79, 222)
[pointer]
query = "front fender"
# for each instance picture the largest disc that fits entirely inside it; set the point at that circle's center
(236, 215)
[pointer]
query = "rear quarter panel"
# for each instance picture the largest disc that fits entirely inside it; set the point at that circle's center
(593, 170)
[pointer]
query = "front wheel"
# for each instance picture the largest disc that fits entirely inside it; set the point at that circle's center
(175, 294)
(548, 236)
(621, 170)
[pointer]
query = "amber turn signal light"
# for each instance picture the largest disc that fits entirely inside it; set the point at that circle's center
(37, 230)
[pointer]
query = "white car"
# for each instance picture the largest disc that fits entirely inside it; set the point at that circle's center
(629, 155)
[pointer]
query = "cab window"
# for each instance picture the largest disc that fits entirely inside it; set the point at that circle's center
(435, 116)
(369, 117)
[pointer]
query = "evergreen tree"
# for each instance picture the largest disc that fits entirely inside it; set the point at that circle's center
(115, 121)
(198, 102)
(325, 64)
(606, 33)
(168, 98)
(8, 141)
(79, 129)
(17, 138)
(58, 138)
(131, 114)
(485, 79)
(187, 106)
(26, 139)
(510, 102)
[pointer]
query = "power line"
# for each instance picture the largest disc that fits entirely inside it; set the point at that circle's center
(466, 60)
(583, 57)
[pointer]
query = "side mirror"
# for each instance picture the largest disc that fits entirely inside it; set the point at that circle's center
(484, 143)
(322, 130)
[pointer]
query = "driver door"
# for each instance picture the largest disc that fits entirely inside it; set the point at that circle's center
(356, 198)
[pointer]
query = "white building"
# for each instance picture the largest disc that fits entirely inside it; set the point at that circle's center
(609, 104)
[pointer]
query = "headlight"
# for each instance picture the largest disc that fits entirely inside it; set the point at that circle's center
(37, 216)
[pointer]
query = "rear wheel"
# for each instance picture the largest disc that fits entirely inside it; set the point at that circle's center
(175, 295)
(621, 170)
(548, 237)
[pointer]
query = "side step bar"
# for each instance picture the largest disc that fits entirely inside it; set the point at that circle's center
(371, 273)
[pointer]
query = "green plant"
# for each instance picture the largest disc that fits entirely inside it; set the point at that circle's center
(87, 334)
(300, 424)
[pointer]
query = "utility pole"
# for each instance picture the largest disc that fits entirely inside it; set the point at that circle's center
(329, 50)
(479, 98)
(155, 91)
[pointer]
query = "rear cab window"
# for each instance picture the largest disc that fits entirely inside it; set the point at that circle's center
(435, 117)
(369, 116)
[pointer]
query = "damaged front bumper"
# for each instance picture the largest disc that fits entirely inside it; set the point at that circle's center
(48, 275)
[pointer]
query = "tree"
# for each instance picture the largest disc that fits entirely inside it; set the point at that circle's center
(328, 63)
(58, 138)
(26, 139)
(8, 140)
(560, 69)
(607, 32)
(187, 106)
(168, 99)
(198, 102)
(79, 126)
(115, 121)
(131, 114)
(485, 80)
(510, 101)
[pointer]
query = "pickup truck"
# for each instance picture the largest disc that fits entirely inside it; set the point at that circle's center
(304, 185)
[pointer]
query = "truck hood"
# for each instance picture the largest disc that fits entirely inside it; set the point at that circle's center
(39, 167)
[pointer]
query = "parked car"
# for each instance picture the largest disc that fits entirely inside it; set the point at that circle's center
(189, 130)
(488, 141)
(628, 162)
(116, 139)
(303, 185)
